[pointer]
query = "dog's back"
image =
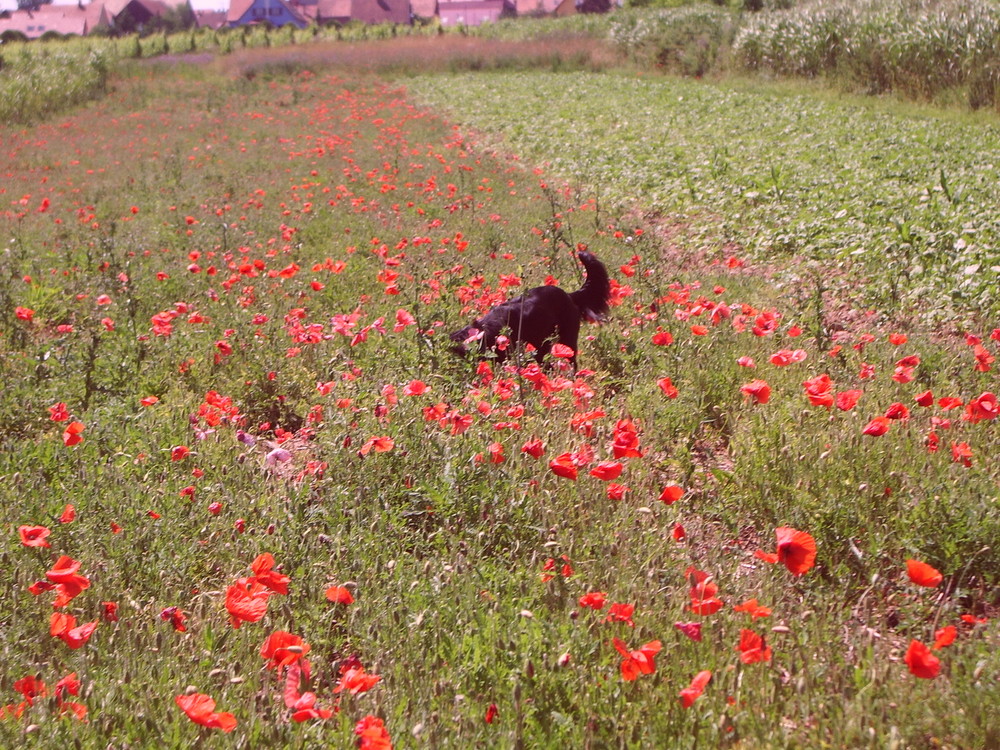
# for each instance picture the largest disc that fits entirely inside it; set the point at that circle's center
(541, 314)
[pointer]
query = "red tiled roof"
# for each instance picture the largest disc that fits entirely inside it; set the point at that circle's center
(380, 11)
(62, 19)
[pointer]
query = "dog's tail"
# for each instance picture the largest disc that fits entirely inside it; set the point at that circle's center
(592, 298)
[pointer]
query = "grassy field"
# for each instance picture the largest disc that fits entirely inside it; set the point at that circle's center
(224, 307)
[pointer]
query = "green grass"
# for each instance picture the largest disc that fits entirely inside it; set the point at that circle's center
(443, 549)
(902, 206)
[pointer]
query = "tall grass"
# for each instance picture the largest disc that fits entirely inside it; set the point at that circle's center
(919, 48)
(36, 81)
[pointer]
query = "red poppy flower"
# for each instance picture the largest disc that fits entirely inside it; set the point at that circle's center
(415, 388)
(246, 601)
(491, 713)
(691, 629)
(354, 680)
(752, 608)
(944, 637)
(671, 494)
(897, 411)
(923, 574)
(847, 400)
(704, 599)
(877, 427)
(175, 617)
(819, 390)
(372, 734)
(662, 338)
(924, 399)
(179, 452)
(382, 444)
(961, 453)
(621, 612)
(281, 649)
(796, 549)
(34, 536)
(640, 661)
(62, 625)
(200, 709)
(983, 358)
(58, 412)
(921, 662)
(71, 435)
(691, 693)
(264, 574)
(626, 440)
(593, 600)
(564, 466)
(339, 595)
(534, 448)
(752, 647)
(31, 687)
(607, 470)
(982, 407)
(668, 388)
(758, 390)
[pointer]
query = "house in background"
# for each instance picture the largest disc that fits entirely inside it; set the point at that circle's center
(79, 20)
(423, 9)
(472, 12)
(274, 12)
(537, 7)
(344, 11)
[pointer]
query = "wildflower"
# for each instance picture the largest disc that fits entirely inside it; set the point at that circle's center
(921, 662)
(923, 574)
(593, 600)
(752, 647)
(200, 709)
(691, 629)
(796, 549)
(607, 470)
(354, 679)
(71, 435)
(640, 661)
(668, 388)
(372, 734)
(621, 612)
(877, 427)
(34, 536)
(671, 494)
(564, 466)
(691, 693)
(847, 400)
(758, 390)
(752, 608)
(281, 649)
(982, 407)
(944, 637)
(339, 595)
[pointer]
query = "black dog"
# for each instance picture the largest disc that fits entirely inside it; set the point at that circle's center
(541, 314)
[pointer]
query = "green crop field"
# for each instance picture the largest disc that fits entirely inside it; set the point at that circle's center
(250, 498)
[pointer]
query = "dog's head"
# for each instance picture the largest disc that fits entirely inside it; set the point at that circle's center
(463, 338)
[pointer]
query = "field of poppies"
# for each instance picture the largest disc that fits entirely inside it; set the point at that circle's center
(249, 498)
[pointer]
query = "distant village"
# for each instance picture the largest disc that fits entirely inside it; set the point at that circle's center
(33, 19)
